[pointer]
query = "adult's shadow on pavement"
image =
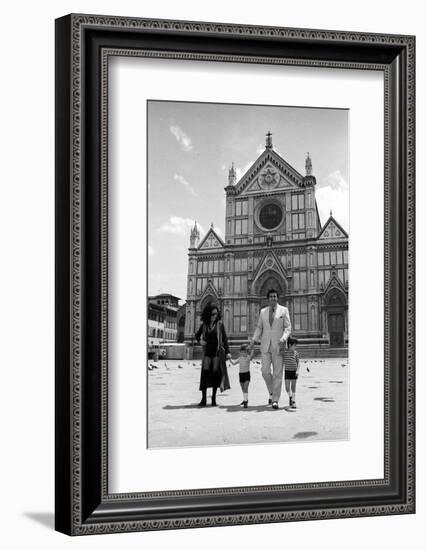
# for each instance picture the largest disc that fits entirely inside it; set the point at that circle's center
(180, 407)
(252, 408)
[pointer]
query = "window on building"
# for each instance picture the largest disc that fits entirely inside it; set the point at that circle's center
(295, 221)
(299, 259)
(244, 226)
(345, 256)
(323, 277)
(294, 202)
(237, 227)
(199, 285)
(313, 318)
(221, 266)
(303, 284)
(240, 284)
(313, 279)
(227, 322)
(218, 283)
(339, 257)
(333, 257)
(326, 258)
(301, 202)
(302, 221)
(243, 264)
(300, 313)
(299, 280)
(296, 258)
(240, 316)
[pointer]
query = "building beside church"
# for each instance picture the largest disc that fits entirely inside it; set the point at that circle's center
(169, 306)
(273, 239)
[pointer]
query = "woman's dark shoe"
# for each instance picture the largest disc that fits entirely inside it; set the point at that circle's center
(202, 403)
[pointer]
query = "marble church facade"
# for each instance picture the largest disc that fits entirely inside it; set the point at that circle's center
(273, 239)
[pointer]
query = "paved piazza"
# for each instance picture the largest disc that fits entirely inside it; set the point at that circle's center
(175, 420)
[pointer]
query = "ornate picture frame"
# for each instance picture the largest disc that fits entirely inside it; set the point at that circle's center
(84, 44)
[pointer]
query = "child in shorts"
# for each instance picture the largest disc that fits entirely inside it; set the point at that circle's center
(291, 372)
(244, 362)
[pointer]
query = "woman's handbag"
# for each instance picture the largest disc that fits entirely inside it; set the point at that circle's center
(221, 355)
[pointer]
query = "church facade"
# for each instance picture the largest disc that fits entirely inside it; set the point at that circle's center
(273, 239)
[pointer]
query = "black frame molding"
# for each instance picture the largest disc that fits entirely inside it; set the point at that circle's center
(84, 44)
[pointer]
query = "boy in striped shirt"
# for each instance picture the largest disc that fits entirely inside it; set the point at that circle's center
(291, 366)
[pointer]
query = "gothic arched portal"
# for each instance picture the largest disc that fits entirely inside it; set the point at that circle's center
(267, 281)
(335, 303)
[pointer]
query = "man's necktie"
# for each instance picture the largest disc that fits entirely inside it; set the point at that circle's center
(271, 315)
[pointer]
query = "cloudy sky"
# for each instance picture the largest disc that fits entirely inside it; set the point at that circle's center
(190, 149)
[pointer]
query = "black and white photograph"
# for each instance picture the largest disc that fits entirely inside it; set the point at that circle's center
(248, 274)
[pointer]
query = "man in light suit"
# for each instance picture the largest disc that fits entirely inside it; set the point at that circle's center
(272, 330)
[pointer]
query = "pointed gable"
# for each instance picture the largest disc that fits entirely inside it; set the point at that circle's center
(334, 283)
(210, 290)
(269, 262)
(268, 173)
(211, 241)
(332, 230)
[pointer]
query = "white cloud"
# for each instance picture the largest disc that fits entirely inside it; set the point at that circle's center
(333, 194)
(241, 171)
(180, 226)
(186, 184)
(181, 137)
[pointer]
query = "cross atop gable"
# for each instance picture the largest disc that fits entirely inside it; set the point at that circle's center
(268, 173)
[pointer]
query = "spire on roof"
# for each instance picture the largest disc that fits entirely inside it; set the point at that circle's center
(232, 176)
(308, 165)
(194, 238)
(268, 144)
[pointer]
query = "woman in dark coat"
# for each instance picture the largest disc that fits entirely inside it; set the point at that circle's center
(212, 337)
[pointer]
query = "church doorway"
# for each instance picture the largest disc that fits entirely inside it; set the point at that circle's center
(270, 280)
(336, 305)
